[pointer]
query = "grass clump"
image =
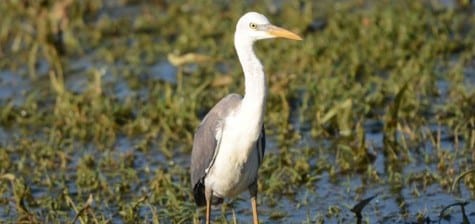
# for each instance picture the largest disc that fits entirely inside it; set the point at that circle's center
(378, 95)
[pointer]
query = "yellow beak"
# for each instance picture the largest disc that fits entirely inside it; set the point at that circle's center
(281, 32)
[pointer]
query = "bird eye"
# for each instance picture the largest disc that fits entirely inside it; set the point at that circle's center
(253, 26)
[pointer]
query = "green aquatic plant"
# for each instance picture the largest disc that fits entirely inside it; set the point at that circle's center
(380, 100)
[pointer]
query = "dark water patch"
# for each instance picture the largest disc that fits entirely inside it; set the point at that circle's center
(122, 91)
(13, 88)
(77, 83)
(125, 171)
(4, 136)
(81, 64)
(117, 10)
(469, 74)
(163, 71)
(42, 68)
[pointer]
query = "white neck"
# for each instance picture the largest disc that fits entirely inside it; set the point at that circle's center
(255, 81)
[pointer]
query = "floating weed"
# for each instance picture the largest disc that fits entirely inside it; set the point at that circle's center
(277, 215)
(333, 211)
(172, 196)
(392, 121)
(131, 212)
(444, 215)
(468, 176)
(22, 198)
(87, 175)
(85, 208)
(374, 90)
(358, 208)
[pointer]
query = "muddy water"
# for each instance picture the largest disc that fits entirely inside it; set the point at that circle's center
(311, 203)
(410, 203)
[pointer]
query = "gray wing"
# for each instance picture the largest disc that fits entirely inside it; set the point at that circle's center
(205, 141)
(261, 145)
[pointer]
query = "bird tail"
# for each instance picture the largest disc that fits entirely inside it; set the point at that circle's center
(199, 195)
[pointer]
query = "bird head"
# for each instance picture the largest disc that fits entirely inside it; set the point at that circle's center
(256, 26)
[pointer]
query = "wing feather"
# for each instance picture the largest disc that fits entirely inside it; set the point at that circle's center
(261, 145)
(205, 142)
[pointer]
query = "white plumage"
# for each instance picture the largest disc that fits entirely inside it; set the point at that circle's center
(229, 144)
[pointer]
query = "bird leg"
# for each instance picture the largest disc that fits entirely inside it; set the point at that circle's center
(208, 196)
(253, 192)
(255, 218)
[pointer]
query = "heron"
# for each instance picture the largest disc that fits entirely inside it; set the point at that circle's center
(229, 144)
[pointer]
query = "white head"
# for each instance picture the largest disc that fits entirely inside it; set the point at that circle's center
(254, 26)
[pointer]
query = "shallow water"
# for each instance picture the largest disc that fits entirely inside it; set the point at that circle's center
(121, 174)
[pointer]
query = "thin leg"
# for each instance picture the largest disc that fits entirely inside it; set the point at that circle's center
(255, 218)
(253, 192)
(208, 196)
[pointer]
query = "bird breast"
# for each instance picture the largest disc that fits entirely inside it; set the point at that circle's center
(236, 163)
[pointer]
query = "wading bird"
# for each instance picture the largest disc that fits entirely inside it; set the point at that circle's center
(229, 144)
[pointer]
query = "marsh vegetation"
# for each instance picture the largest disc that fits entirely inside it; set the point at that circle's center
(99, 101)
